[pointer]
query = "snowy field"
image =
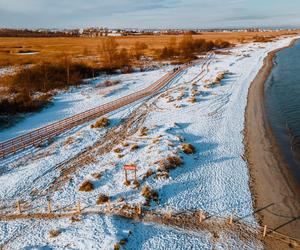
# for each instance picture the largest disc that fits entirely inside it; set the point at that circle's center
(190, 110)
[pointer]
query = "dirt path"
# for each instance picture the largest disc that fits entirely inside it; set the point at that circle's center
(275, 192)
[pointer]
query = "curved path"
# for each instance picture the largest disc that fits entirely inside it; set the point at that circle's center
(43, 134)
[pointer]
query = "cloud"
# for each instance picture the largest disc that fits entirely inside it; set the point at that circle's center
(146, 13)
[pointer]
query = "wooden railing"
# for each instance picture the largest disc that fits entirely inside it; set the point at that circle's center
(43, 134)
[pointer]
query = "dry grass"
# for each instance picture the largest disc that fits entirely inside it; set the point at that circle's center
(87, 49)
(101, 123)
(102, 198)
(188, 148)
(86, 186)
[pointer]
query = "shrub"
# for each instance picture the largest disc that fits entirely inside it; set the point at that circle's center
(188, 148)
(134, 147)
(117, 150)
(101, 123)
(149, 194)
(96, 175)
(54, 233)
(123, 242)
(144, 131)
(117, 246)
(171, 162)
(102, 199)
(86, 186)
(193, 99)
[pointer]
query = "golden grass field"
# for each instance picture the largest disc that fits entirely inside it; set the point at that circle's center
(88, 49)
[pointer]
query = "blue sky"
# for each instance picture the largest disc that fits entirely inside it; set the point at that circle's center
(149, 14)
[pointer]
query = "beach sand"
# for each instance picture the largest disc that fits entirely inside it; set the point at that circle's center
(275, 192)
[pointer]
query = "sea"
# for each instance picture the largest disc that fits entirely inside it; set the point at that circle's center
(282, 97)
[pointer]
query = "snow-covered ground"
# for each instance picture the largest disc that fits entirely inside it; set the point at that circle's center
(214, 179)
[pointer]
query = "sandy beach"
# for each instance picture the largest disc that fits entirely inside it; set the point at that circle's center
(275, 193)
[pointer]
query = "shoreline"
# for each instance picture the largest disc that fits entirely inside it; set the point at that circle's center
(275, 192)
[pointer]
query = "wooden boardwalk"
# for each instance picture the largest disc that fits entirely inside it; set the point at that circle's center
(47, 133)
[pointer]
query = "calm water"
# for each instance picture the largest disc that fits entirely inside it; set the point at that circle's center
(283, 104)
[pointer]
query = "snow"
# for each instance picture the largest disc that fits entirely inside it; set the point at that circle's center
(215, 179)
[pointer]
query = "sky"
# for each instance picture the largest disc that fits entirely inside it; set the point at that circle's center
(149, 13)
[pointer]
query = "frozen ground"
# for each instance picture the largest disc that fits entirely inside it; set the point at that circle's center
(215, 179)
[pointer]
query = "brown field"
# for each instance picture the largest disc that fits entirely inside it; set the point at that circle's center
(88, 49)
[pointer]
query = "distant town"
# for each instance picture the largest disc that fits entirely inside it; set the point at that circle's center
(100, 31)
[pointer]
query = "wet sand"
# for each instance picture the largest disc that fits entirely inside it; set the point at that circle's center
(276, 194)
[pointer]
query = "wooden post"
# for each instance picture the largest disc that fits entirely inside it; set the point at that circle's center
(19, 207)
(200, 216)
(108, 205)
(126, 180)
(78, 207)
(265, 231)
(139, 209)
(231, 220)
(49, 207)
(135, 177)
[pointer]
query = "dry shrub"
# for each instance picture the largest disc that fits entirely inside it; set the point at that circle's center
(149, 194)
(86, 186)
(102, 198)
(54, 233)
(69, 140)
(117, 246)
(134, 147)
(136, 183)
(125, 144)
(162, 175)
(74, 219)
(126, 183)
(96, 175)
(121, 199)
(122, 242)
(109, 83)
(144, 131)
(193, 99)
(188, 148)
(148, 174)
(120, 156)
(117, 150)
(171, 162)
(101, 123)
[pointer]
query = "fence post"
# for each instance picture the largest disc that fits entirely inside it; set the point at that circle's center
(108, 205)
(139, 209)
(78, 207)
(265, 231)
(230, 220)
(19, 207)
(49, 207)
(201, 216)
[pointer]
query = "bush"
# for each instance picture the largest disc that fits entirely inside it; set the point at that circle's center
(117, 150)
(144, 131)
(188, 148)
(101, 123)
(134, 147)
(96, 175)
(86, 186)
(102, 199)
(149, 194)
(54, 233)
